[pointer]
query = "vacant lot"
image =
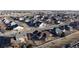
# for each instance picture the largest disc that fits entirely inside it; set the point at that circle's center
(62, 41)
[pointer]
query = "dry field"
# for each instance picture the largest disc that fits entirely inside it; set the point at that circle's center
(62, 41)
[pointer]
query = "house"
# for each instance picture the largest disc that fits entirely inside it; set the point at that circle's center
(34, 35)
(42, 25)
(6, 21)
(13, 23)
(75, 25)
(18, 28)
(14, 18)
(66, 28)
(30, 23)
(67, 46)
(21, 18)
(43, 37)
(37, 24)
(5, 41)
(27, 20)
(37, 16)
(11, 26)
(37, 35)
(33, 23)
(57, 32)
(57, 21)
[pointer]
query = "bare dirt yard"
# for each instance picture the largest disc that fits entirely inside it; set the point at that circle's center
(62, 41)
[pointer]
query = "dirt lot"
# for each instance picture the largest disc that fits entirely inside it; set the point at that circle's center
(62, 41)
